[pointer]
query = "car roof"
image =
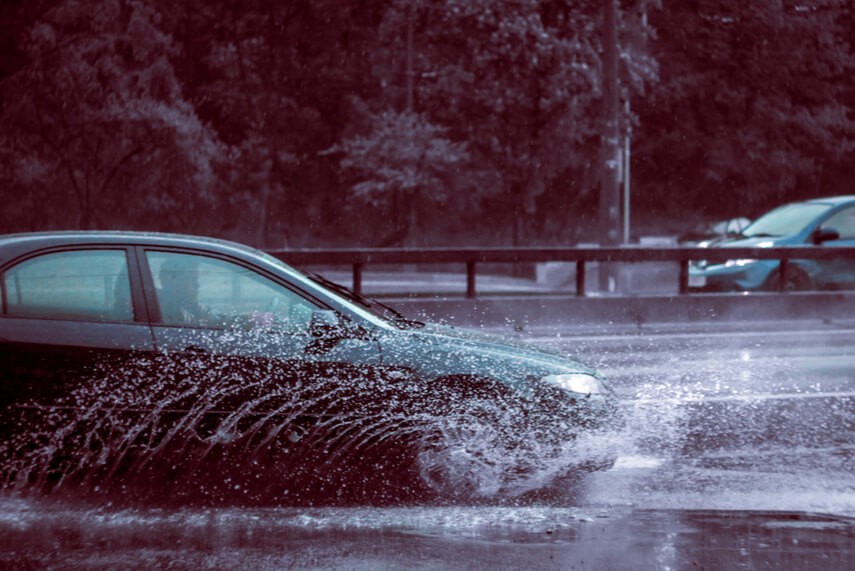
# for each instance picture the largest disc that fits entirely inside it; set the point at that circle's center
(13, 245)
(833, 200)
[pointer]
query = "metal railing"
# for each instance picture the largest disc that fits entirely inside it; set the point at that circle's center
(471, 258)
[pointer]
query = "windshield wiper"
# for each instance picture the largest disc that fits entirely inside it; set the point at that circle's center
(762, 235)
(369, 303)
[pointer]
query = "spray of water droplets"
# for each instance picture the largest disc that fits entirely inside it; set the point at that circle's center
(228, 429)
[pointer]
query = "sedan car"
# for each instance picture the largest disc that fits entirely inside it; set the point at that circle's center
(169, 359)
(827, 222)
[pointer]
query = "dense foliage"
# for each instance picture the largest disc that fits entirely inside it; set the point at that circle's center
(418, 122)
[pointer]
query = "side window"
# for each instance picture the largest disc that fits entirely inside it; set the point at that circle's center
(89, 285)
(208, 292)
(843, 222)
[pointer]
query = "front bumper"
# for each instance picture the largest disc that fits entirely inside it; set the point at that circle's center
(749, 276)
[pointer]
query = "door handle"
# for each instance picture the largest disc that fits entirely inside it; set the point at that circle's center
(195, 349)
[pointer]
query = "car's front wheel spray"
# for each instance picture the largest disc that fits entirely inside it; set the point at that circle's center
(457, 458)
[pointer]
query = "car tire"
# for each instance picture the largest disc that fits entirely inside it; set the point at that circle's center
(455, 449)
(797, 280)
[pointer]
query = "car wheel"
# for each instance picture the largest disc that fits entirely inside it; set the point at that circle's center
(464, 428)
(797, 280)
(455, 460)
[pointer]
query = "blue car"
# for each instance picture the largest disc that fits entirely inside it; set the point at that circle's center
(827, 222)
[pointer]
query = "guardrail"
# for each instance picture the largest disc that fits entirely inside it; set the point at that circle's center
(471, 258)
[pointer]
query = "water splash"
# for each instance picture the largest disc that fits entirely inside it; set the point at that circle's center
(165, 428)
(733, 429)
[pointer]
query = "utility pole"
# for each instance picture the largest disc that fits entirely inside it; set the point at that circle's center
(610, 145)
(627, 142)
(410, 58)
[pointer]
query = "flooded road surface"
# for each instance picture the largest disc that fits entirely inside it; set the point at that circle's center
(421, 538)
(738, 452)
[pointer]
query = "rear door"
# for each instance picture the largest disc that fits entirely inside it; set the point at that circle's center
(70, 317)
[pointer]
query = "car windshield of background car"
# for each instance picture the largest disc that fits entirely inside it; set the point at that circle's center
(784, 221)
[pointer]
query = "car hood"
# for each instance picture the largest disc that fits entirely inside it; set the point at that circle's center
(439, 350)
(757, 242)
(762, 242)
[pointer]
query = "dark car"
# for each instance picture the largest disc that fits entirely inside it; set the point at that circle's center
(827, 222)
(709, 233)
(152, 358)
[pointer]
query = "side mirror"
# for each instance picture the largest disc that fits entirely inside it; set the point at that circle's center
(325, 323)
(821, 235)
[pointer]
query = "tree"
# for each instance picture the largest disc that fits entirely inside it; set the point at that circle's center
(273, 78)
(517, 81)
(96, 123)
(752, 104)
(403, 159)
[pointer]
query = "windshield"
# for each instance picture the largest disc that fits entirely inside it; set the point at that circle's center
(335, 292)
(366, 306)
(785, 221)
(377, 308)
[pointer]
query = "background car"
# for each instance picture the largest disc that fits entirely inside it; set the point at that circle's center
(709, 233)
(827, 222)
(162, 358)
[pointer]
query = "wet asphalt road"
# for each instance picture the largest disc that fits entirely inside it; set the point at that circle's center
(738, 453)
(729, 419)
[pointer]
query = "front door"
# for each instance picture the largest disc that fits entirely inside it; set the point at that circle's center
(838, 273)
(237, 352)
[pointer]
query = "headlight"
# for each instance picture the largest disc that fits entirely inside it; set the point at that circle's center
(576, 383)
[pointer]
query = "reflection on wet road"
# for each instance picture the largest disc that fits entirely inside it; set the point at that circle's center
(738, 452)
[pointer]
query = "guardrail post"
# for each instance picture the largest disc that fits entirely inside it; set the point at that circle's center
(580, 278)
(357, 278)
(470, 279)
(684, 277)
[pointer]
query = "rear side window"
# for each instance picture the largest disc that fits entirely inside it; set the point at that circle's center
(90, 285)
